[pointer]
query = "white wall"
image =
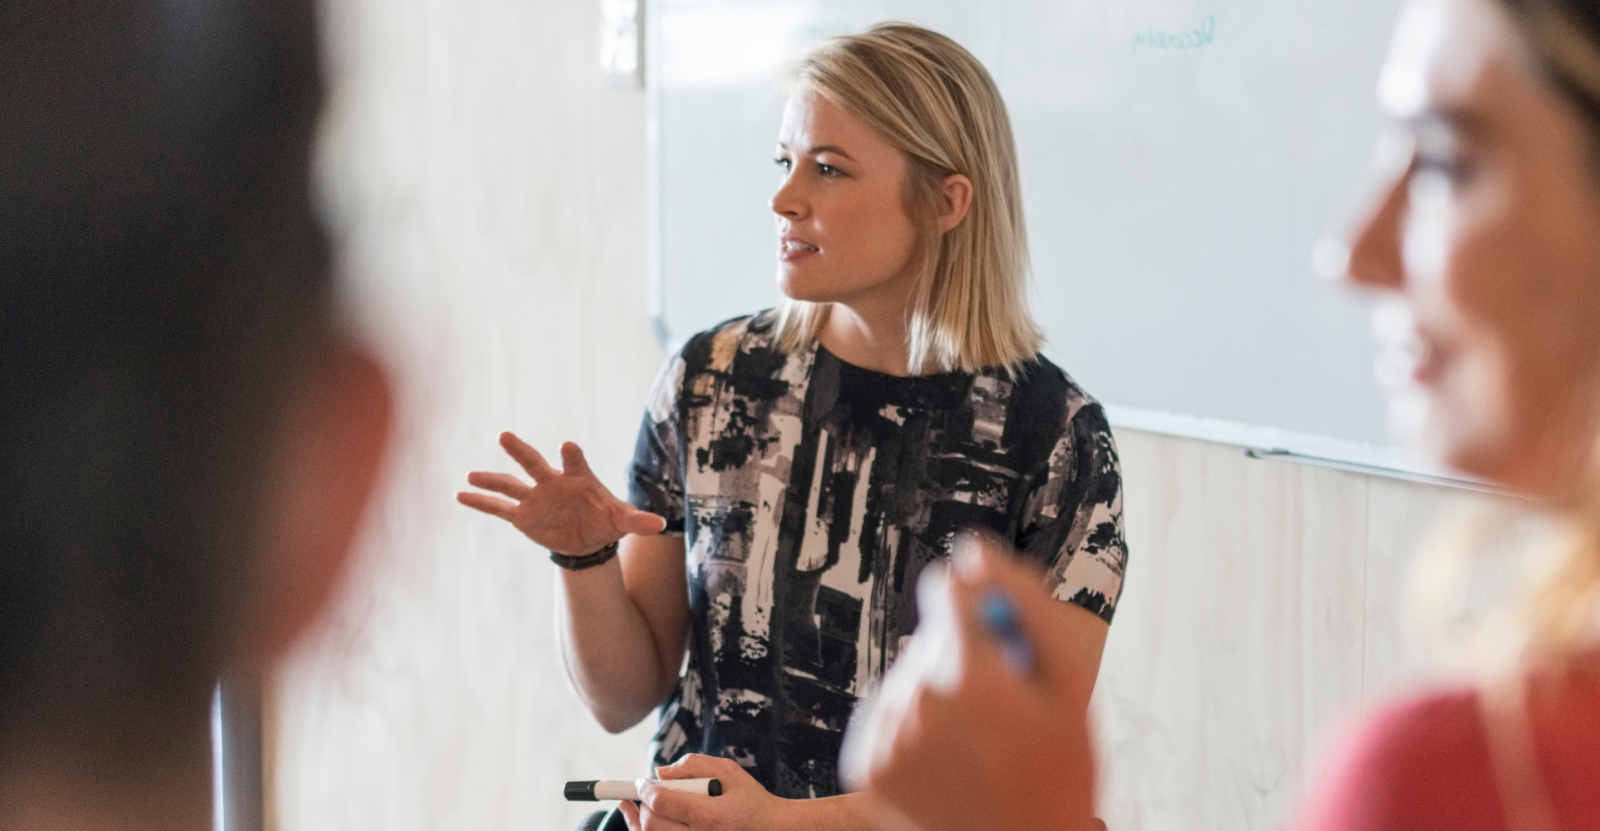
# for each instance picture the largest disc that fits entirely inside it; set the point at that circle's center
(1262, 608)
(491, 191)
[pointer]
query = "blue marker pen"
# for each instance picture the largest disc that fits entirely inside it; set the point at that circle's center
(999, 612)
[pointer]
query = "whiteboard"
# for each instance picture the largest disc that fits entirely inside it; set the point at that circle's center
(1179, 159)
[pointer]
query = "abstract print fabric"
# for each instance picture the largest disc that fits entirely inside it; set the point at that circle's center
(811, 493)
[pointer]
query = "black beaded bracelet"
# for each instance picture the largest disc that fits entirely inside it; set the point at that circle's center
(599, 558)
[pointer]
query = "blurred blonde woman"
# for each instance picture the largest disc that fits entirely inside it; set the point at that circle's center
(797, 469)
(1485, 243)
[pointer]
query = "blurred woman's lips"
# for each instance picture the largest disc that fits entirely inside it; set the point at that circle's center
(1415, 361)
(1427, 361)
(1406, 354)
(792, 248)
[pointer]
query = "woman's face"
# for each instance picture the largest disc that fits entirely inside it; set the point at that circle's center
(843, 232)
(1485, 245)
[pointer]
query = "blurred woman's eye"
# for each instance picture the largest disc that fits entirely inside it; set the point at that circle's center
(1452, 168)
(828, 171)
(1439, 155)
(783, 163)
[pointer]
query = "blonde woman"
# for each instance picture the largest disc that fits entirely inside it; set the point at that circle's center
(797, 469)
(1485, 244)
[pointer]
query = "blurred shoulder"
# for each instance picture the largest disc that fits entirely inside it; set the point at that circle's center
(1419, 763)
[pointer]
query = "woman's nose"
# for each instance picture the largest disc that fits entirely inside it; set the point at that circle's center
(1376, 247)
(789, 202)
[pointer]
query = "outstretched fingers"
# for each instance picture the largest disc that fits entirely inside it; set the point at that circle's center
(530, 459)
(501, 483)
(572, 461)
(491, 505)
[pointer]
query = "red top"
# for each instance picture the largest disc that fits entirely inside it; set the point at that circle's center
(1424, 764)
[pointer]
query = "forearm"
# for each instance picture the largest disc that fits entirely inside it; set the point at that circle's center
(621, 623)
(608, 647)
(849, 812)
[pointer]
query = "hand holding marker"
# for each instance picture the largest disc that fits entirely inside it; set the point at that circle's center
(604, 789)
(997, 665)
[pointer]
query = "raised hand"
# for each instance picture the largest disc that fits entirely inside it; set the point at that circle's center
(567, 511)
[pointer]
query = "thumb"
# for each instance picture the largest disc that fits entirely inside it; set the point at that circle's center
(644, 523)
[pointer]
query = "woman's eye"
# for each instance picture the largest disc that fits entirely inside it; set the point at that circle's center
(783, 163)
(1441, 153)
(1451, 168)
(829, 171)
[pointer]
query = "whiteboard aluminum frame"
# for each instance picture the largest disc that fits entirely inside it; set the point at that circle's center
(1303, 448)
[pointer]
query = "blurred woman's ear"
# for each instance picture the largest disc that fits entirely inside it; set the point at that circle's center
(325, 470)
(956, 191)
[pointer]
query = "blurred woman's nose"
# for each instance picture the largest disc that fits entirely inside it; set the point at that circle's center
(1376, 248)
(789, 202)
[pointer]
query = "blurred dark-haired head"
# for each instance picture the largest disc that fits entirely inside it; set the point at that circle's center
(163, 279)
(1564, 36)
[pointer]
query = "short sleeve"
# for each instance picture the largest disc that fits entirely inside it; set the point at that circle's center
(655, 477)
(1073, 519)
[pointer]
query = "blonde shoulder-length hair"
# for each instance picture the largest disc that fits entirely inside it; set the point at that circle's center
(932, 99)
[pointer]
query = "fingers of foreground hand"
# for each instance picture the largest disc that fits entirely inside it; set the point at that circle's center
(491, 505)
(983, 566)
(980, 648)
(1052, 702)
(980, 557)
(501, 483)
(884, 722)
(917, 782)
(868, 741)
(1024, 746)
(928, 703)
(531, 460)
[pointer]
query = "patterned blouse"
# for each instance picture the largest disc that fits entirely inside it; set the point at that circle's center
(811, 493)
